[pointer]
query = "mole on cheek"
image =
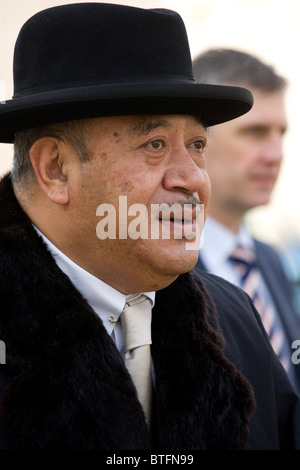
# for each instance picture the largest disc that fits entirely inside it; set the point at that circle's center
(117, 137)
(125, 187)
(104, 156)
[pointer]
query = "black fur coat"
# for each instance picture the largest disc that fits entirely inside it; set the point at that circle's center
(66, 384)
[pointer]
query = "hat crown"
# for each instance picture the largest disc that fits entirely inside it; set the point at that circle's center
(91, 43)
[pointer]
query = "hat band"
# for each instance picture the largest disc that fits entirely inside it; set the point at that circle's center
(167, 79)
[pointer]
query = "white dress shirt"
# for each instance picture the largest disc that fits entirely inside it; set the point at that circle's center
(107, 302)
(219, 243)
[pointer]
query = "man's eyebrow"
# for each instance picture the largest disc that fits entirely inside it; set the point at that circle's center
(145, 126)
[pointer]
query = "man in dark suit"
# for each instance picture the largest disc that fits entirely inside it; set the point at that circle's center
(73, 280)
(244, 159)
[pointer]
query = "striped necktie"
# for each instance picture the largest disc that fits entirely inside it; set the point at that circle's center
(251, 282)
(136, 323)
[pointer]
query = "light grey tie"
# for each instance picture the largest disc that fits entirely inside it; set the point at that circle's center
(136, 322)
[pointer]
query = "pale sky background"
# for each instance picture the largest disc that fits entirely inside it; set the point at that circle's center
(267, 28)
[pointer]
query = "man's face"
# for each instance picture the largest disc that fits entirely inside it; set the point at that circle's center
(149, 160)
(244, 155)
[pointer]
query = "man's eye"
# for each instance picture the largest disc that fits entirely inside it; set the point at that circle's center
(156, 144)
(199, 145)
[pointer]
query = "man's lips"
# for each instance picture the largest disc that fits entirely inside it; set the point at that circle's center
(181, 221)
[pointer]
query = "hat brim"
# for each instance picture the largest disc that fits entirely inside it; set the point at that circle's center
(213, 103)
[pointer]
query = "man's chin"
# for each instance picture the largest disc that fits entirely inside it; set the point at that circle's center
(181, 260)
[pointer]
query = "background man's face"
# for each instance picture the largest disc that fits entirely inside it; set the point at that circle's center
(244, 155)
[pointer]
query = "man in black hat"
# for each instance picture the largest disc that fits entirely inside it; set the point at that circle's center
(109, 125)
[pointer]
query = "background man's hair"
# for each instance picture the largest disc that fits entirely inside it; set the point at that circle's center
(230, 66)
(73, 132)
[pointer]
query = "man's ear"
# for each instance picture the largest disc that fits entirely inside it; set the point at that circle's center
(46, 159)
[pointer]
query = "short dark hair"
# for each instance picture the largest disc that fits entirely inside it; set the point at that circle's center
(74, 132)
(229, 66)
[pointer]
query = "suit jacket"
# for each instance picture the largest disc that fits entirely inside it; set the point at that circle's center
(272, 271)
(218, 384)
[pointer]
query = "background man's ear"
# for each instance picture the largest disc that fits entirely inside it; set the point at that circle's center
(47, 161)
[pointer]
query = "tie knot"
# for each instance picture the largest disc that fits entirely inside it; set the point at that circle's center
(136, 323)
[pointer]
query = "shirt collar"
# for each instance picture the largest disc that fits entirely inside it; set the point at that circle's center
(105, 300)
(219, 241)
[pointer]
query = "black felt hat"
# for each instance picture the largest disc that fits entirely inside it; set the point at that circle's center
(95, 59)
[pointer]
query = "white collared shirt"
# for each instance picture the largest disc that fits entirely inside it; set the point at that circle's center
(219, 243)
(107, 302)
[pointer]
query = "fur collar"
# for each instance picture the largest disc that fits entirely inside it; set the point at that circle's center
(70, 388)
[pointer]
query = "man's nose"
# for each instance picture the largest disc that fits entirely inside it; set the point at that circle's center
(273, 150)
(183, 174)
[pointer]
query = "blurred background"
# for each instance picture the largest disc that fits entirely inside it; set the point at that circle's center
(267, 28)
